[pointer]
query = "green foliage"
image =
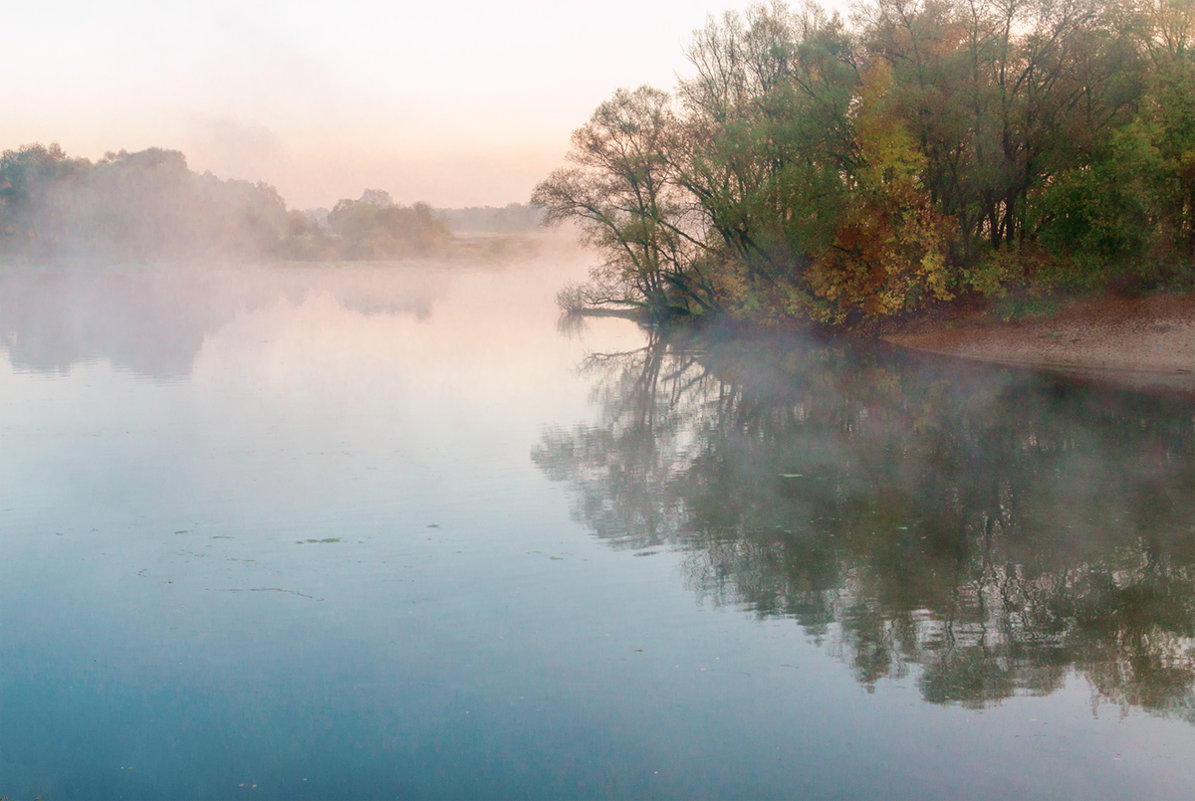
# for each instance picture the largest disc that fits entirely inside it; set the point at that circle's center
(888, 255)
(141, 205)
(622, 189)
(938, 147)
(150, 205)
(374, 227)
(1025, 306)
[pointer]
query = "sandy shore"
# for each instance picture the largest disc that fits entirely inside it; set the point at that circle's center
(1143, 343)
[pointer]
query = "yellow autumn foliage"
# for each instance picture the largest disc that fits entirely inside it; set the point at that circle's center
(888, 255)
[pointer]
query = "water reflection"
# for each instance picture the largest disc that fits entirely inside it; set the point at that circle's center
(986, 531)
(154, 319)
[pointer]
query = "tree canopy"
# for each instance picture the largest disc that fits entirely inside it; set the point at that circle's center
(928, 150)
(150, 205)
(144, 204)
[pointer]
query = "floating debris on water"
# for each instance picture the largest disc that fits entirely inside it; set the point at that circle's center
(263, 589)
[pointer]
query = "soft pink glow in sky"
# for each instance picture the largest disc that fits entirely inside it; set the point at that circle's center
(466, 103)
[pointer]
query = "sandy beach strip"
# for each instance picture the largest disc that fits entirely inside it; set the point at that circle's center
(1141, 343)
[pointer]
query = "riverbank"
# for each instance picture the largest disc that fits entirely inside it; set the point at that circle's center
(1142, 343)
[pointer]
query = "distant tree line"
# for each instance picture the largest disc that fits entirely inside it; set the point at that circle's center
(130, 204)
(513, 218)
(150, 205)
(929, 151)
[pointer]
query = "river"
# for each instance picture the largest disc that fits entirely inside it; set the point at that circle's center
(395, 530)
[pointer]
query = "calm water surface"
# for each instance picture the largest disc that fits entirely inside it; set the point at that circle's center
(388, 531)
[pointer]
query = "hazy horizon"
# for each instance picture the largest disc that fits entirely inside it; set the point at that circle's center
(456, 105)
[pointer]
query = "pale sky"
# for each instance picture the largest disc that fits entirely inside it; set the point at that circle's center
(454, 103)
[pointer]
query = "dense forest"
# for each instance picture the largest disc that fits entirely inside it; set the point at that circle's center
(929, 151)
(150, 205)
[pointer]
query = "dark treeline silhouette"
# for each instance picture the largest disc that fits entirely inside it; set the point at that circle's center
(929, 151)
(149, 205)
(988, 533)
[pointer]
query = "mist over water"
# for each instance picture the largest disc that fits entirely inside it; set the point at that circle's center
(154, 319)
(374, 529)
(308, 491)
(986, 531)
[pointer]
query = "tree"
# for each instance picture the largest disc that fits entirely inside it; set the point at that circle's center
(621, 189)
(888, 255)
(26, 177)
(374, 227)
(937, 148)
(767, 141)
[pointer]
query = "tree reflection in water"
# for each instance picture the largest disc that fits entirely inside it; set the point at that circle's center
(994, 528)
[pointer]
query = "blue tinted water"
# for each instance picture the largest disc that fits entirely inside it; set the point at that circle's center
(292, 533)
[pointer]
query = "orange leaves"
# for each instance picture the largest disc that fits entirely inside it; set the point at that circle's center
(888, 255)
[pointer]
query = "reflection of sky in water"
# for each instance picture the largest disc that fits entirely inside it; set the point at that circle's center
(310, 553)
